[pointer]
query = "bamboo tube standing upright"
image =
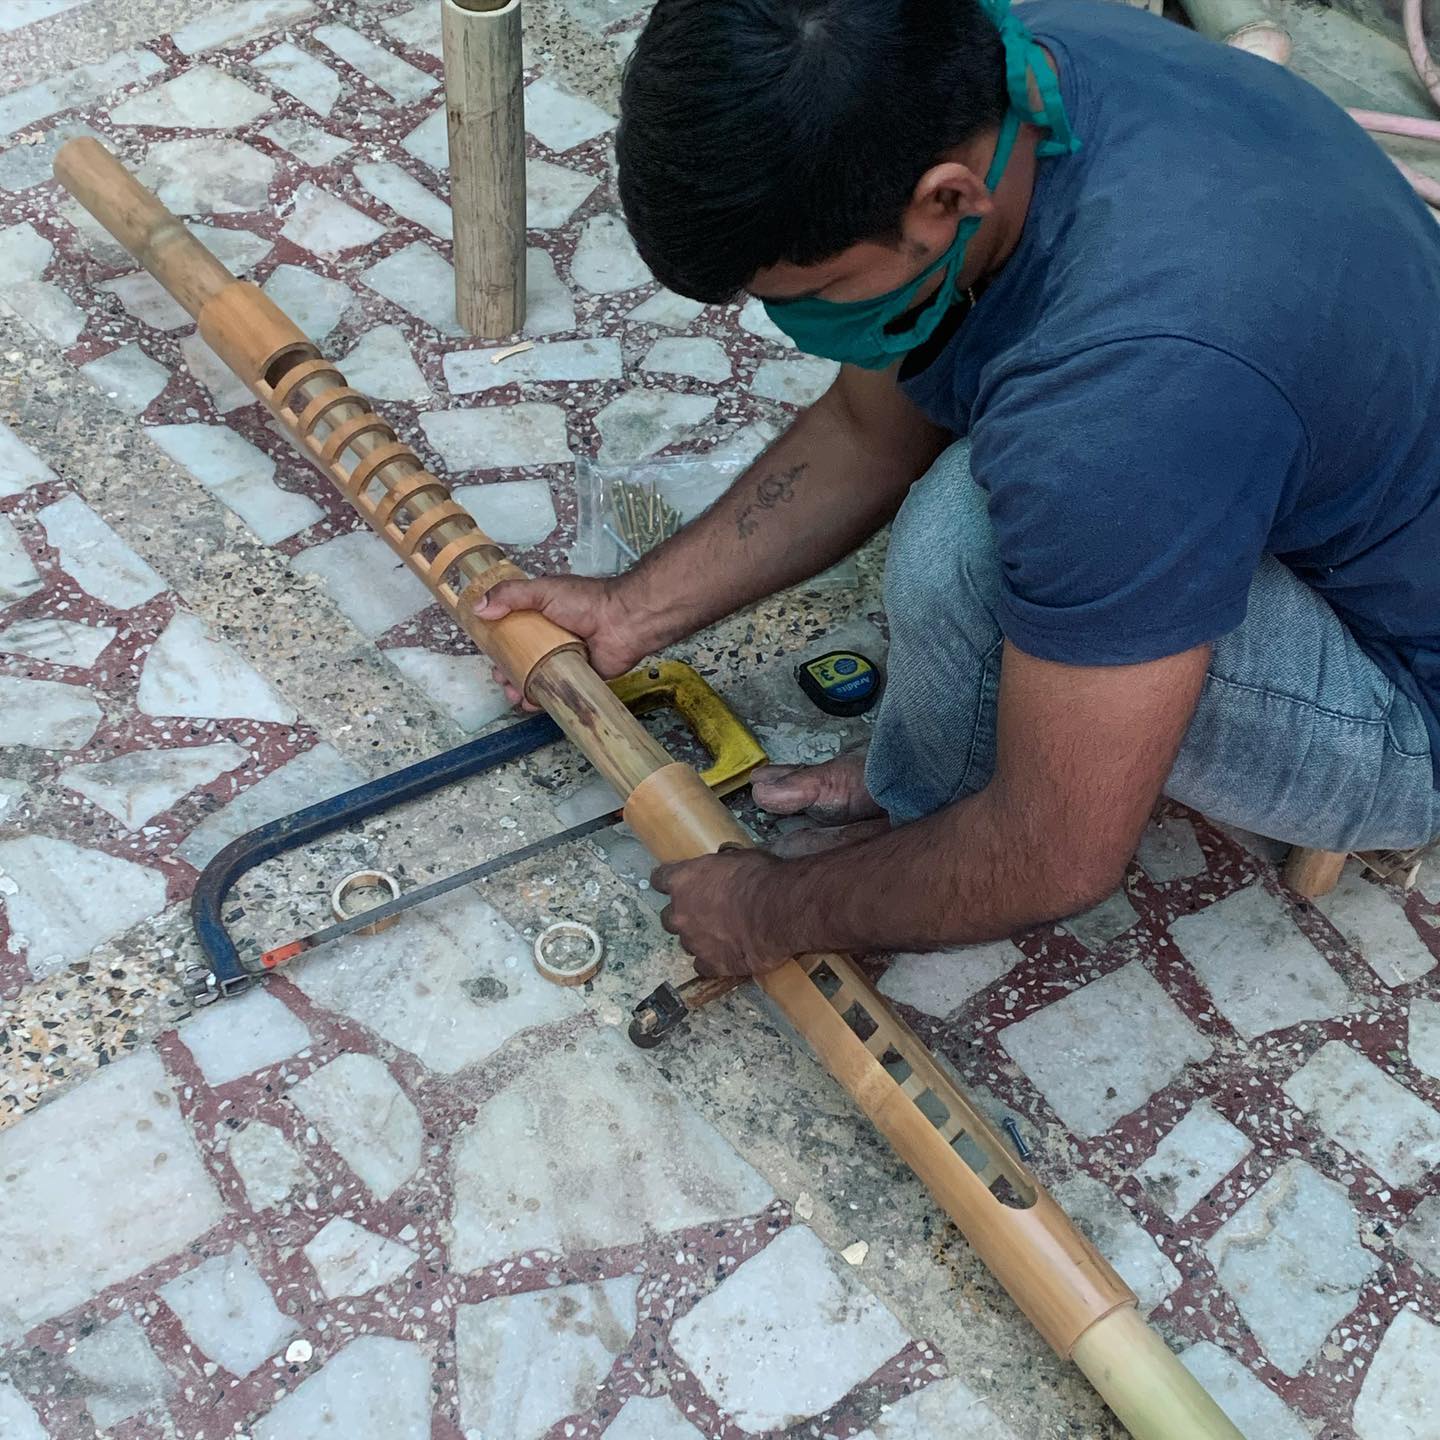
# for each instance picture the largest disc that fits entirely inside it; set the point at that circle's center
(485, 121)
(1058, 1279)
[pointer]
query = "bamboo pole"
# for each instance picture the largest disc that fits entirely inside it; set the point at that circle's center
(1313, 873)
(1058, 1279)
(485, 121)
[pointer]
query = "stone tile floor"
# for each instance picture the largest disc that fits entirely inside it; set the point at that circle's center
(409, 1190)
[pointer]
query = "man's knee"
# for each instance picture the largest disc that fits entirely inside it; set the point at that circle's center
(942, 559)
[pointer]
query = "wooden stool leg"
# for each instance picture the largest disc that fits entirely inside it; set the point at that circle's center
(1313, 873)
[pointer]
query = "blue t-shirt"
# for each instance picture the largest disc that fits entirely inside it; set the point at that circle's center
(1218, 339)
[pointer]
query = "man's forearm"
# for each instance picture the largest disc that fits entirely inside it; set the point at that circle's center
(967, 874)
(827, 485)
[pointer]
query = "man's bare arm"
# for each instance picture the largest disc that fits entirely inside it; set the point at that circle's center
(829, 483)
(1083, 754)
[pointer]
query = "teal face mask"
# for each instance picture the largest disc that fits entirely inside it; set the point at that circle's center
(857, 332)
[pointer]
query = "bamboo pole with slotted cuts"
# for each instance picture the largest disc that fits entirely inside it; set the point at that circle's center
(1057, 1278)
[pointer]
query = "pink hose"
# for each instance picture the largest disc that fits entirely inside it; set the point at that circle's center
(1382, 123)
(1420, 56)
(1426, 188)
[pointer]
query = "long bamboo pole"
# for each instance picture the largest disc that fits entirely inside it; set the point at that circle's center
(1058, 1279)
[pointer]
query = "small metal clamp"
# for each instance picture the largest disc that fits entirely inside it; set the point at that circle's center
(364, 880)
(569, 971)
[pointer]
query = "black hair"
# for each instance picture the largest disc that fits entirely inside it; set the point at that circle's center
(759, 131)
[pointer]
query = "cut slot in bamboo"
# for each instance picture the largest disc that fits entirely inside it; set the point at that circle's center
(1058, 1279)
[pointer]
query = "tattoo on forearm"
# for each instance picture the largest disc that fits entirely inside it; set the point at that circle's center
(770, 491)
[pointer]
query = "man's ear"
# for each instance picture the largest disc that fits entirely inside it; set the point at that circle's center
(947, 193)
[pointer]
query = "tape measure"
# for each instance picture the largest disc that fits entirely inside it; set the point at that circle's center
(843, 682)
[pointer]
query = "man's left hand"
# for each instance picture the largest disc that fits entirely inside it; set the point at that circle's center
(715, 911)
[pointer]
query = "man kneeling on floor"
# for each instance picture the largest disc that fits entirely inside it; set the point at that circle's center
(1140, 361)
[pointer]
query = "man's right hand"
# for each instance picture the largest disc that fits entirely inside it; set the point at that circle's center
(595, 610)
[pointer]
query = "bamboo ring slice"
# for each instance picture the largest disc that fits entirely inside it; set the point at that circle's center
(364, 880)
(569, 972)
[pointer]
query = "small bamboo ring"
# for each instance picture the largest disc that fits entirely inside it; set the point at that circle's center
(575, 972)
(362, 880)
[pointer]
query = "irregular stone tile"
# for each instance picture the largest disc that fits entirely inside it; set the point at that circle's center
(17, 1420)
(667, 308)
(23, 107)
(46, 714)
(137, 786)
(208, 176)
(231, 24)
(382, 366)
(753, 1343)
(67, 1229)
(228, 1311)
(18, 575)
(604, 1183)
(801, 381)
(1103, 1219)
(418, 29)
(29, 12)
(101, 897)
(201, 99)
(365, 1116)
(451, 983)
(58, 642)
(120, 1374)
(1192, 1160)
(650, 1418)
(326, 225)
(234, 1040)
(1262, 973)
(948, 1407)
(1251, 1405)
(1424, 1046)
(24, 254)
(496, 436)
(553, 193)
(1104, 922)
(48, 309)
(315, 775)
(941, 982)
(1374, 922)
(419, 280)
(700, 358)
(1168, 850)
(239, 475)
(606, 260)
(1419, 1237)
(405, 195)
(460, 685)
(1397, 1400)
(376, 1388)
(1293, 1263)
(756, 319)
(597, 16)
(470, 371)
(299, 73)
(526, 1361)
(429, 143)
(20, 466)
(640, 422)
(189, 672)
(514, 512)
(24, 166)
(128, 376)
(549, 306)
(307, 143)
(1105, 1049)
(400, 80)
(559, 119)
(314, 303)
(226, 388)
(143, 297)
(350, 1260)
(363, 577)
(1372, 1115)
(269, 1167)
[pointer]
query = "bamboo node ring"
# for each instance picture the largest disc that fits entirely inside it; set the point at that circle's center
(573, 968)
(364, 880)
